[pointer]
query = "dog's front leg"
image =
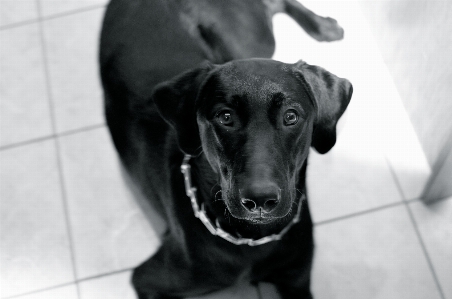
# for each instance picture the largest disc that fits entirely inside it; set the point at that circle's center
(163, 275)
(171, 273)
(292, 277)
(293, 284)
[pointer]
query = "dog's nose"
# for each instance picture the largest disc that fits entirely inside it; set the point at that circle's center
(265, 198)
(252, 205)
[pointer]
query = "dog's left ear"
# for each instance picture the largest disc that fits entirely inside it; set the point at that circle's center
(175, 100)
(331, 95)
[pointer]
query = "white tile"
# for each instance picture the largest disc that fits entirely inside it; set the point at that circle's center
(14, 11)
(110, 231)
(238, 291)
(349, 179)
(116, 286)
(72, 51)
(51, 7)
(35, 250)
(435, 225)
(372, 256)
(66, 292)
(24, 106)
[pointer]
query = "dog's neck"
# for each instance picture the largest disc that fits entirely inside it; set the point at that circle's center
(207, 183)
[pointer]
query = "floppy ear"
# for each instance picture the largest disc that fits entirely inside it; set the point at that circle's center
(331, 95)
(175, 101)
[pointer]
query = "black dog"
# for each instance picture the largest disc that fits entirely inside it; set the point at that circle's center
(244, 128)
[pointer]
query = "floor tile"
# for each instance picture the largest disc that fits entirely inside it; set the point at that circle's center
(51, 7)
(435, 225)
(35, 250)
(72, 46)
(66, 292)
(109, 230)
(239, 291)
(116, 286)
(348, 180)
(13, 11)
(374, 255)
(24, 109)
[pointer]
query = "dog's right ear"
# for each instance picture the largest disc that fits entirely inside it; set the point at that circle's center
(175, 100)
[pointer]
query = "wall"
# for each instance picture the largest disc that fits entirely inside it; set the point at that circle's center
(415, 38)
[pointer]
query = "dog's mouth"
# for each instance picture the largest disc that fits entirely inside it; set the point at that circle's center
(261, 220)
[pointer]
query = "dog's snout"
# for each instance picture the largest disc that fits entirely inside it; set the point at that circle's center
(264, 198)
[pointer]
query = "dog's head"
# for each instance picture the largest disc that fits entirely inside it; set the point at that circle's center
(254, 120)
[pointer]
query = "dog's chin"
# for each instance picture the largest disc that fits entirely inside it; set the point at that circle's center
(267, 221)
(259, 227)
(260, 217)
(250, 226)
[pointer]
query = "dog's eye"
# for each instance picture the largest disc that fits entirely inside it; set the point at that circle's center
(225, 118)
(290, 118)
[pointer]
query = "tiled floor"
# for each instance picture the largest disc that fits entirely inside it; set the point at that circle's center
(71, 229)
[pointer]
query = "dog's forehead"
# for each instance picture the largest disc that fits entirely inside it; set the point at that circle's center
(258, 82)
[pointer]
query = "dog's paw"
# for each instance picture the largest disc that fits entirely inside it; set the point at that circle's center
(327, 30)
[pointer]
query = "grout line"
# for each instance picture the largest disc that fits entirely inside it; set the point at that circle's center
(413, 200)
(424, 249)
(23, 143)
(18, 24)
(80, 130)
(48, 137)
(384, 207)
(40, 290)
(396, 180)
(52, 16)
(406, 203)
(58, 150)
(391, 205)
(76, 282)
(399, 186)
(104, 275)
(73, 12)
